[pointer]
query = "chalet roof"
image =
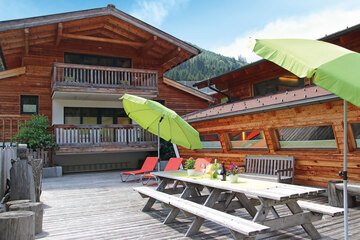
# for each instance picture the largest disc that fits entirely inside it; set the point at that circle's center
(337, 38)
(299, 97)
(109, 10)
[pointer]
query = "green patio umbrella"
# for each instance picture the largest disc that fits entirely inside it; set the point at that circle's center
(161, 121)
(331, 67)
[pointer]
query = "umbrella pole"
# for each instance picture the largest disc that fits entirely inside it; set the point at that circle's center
(345, 193)
(158, 164)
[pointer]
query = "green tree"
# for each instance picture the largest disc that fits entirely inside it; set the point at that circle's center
(36, 133)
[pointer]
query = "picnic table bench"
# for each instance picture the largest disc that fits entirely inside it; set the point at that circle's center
(335, 193)
(222, 197)
(270, 168)
(238, 226)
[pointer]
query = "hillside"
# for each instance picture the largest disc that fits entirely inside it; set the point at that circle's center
(206, 65)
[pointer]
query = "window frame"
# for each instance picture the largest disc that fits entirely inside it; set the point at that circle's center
(21, 105)
(270, 79)
(279, 148)
(212, 149)
(232, 149)
(99, 114)
(2, 58)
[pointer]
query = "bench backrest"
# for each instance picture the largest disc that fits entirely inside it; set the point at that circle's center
(268, 165)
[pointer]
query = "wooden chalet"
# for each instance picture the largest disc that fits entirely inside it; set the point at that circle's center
(269, 111)
(73, 67)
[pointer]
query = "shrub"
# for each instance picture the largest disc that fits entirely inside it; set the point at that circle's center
(36, 133)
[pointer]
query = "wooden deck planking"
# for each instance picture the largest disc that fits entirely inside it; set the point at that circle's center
(99, 206)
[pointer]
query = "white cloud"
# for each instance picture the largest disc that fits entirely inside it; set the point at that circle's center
(154, 12)
(312, 26)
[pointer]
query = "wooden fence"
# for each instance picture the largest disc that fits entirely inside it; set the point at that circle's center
(6, 154)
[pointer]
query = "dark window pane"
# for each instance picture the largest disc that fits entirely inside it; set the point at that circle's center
(307, 137)
(74, 115)
(29, 104)
(356, 132)
(76, 58)
(276, 85)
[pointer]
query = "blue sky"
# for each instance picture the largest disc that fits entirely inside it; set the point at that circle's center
(223, 26)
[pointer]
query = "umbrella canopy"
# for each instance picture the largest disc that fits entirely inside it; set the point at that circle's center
(161, 121)
(331, 67)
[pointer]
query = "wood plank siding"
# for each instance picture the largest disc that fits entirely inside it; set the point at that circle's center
(38, 44)
(313, 166)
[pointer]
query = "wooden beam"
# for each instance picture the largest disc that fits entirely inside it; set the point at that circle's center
(59, 33)
(26, 41)
(105, 40)
(148, 45)
(12, 72)
(171, 55)
(187, 89)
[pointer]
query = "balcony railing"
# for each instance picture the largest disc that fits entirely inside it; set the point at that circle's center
(87, 76)
(97, 135)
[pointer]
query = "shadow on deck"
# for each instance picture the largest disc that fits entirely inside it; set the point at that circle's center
(99, 206)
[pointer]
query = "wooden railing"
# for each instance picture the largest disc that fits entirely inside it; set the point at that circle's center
(9, 126)
(75, 75)
(87, 135)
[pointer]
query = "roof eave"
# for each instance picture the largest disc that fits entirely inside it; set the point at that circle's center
(303, 102)
(90, 13)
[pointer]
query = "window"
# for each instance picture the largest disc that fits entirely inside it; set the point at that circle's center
(77, 58)
(247, 140)
(307, 137)
(355, 127)
(210, 140)
(91, 116)
(29, 104)
(2, 64)
(276, 85)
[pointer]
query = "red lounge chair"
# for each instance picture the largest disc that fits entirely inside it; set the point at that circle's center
(172, 165)
(200, 161)
(148, 166)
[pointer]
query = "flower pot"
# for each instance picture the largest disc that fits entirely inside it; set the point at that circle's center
(191, 172)
(233, 178)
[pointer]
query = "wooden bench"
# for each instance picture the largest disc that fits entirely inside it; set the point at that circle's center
(240, 228)
(269, 168)
(335, 193)
(320, 208)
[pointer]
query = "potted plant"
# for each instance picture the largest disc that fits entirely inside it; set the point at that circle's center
(234, 170)
(190, 166)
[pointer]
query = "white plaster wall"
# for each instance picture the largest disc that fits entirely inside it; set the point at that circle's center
(59, 104)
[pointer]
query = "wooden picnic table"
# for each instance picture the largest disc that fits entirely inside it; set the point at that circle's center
(266, 195)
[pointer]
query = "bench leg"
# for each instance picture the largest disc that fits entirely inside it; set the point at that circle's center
(239, 236)
(175, 211)
(210, 202)
(308, 227)
(151, 201)
(246, 203)
(149, 204)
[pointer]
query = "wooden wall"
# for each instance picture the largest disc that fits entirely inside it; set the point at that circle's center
(313, 167)
(39, 47)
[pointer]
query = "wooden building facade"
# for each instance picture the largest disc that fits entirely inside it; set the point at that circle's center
(272, 112)
(73, 67)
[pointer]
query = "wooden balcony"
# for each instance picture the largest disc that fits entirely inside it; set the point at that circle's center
(103, 138)
(74, 80)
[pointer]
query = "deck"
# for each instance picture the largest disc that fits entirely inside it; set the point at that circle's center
(99, 206)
